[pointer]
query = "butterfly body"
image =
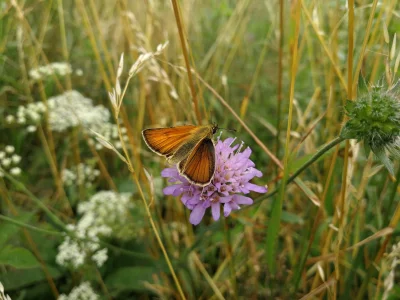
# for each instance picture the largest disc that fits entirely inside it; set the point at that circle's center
(189, 146)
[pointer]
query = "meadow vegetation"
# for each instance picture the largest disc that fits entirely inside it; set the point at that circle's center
(309, 86)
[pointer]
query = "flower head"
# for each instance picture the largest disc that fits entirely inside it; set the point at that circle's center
(84, 291)
(104, 215)
(375, 119)
(233, 172)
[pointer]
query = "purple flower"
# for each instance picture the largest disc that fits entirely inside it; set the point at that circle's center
(233, 172)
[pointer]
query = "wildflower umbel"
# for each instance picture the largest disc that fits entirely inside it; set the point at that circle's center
(375, 119)
(84, 291)
(233, 172)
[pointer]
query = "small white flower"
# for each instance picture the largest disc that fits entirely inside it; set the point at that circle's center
(9, 149)
(224, 80)
(100, 257)
(72, 109)
(56, 68)
(82, 292)
(79, 72)
(21, 120)
(31, 128)
(15, 158)
(10, 119)
(2, 154)
(15, 171)
(6, 162)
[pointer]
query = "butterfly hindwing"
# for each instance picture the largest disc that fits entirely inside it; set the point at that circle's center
(199, 166)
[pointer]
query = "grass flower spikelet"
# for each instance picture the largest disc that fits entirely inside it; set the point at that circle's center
(233, 173)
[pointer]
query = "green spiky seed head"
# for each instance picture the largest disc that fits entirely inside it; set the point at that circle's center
(375, 119)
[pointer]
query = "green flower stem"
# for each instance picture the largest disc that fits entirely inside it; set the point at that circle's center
(392, 195)
(393, 223)
(308, 163)
(63, 234)
(30, 227)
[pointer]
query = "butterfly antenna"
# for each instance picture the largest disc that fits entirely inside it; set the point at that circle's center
(228, 129)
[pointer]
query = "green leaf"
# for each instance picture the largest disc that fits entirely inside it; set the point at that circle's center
(18, 258)
(349, 106)
(9, 229)
(130, 278)
(273, 231)
(296, 163)
(19, 278)
(291, 218)
(384, 159)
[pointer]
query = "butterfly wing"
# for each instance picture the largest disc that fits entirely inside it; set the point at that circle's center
(199, 166)
(165, 141)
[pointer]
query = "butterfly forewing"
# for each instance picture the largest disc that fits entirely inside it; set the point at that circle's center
(199, 166)
(165, 141)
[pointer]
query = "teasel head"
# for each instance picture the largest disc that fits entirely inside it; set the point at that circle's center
(374, 118)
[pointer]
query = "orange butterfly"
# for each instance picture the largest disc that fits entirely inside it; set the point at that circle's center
(189, 146)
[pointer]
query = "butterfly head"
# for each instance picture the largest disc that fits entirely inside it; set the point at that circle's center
(214, 128)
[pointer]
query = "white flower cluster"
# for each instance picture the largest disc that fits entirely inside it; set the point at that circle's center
(110, 132)
(104, 214)
(80, 175)
(57, 68)
(81, 292)
(3, 296)
(30, 114)
(73, 252)
(111, 210)
(67, 111)
(9, 161)
(72, 109)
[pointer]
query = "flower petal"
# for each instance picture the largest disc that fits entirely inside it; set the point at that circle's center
(174, 190)
(225, 199)
(169, 172)
(215, 210)
(256, 188)
(197, 214)
(227, 209)
(239, 199)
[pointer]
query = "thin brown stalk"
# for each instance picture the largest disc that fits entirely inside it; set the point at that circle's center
(321, 288)
(102, 167)
(92, 39)
(364, 46)
(104, 48)
(345, 179)
(30, 241)
(257, 140)
(63, 36)
(324, 46)
(208, 278)
(186, 58)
